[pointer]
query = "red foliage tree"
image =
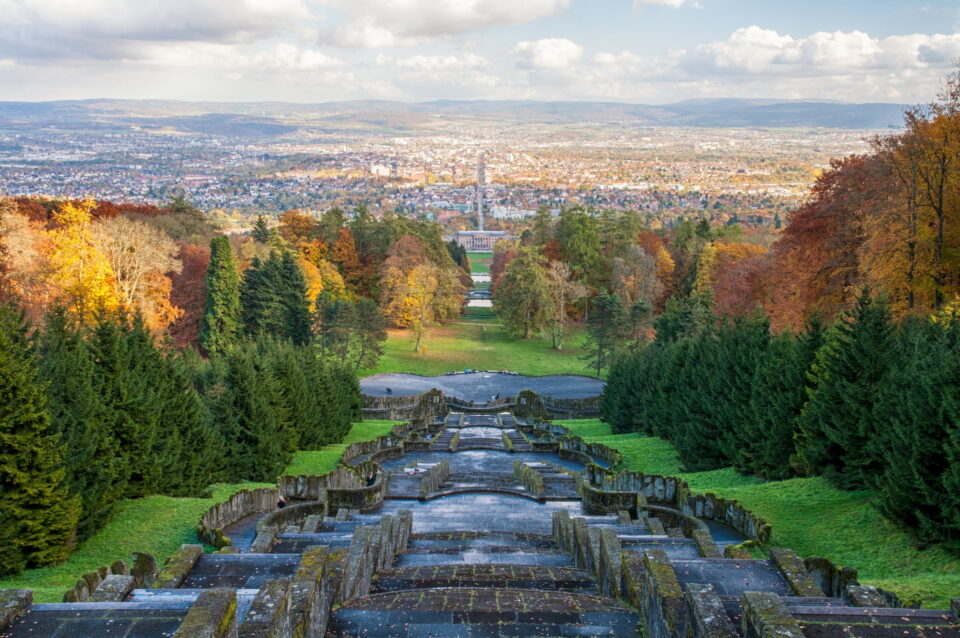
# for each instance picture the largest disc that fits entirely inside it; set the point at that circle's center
(189, 292)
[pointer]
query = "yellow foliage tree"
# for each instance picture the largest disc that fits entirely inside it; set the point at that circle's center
(81, 272)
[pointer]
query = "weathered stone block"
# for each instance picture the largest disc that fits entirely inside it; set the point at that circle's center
(766, 616)
(663, 605)
(631, 577)
(269, 614)
(794, 572)
(309, 596)
(655, 526)
(81, 591)
(144, 569)
(178, 566)
(608, 568)
(93, 581)
(261, 544)
(831, 578)
(13, 604)
(213, 615)
(708, 618)
(119, 567)
(865, 596)
(736, 551)
(708, 548)
(955, 607)
(312, 523)
(114, 588)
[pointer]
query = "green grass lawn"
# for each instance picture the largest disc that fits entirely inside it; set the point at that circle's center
(480, 262)
(158, 525)
(809, 516)
(457, 346)
(321, 461)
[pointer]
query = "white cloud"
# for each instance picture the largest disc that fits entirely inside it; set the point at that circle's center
(119, 29)
(432, 63)
(754, 50)
(385, 23)
(670, 3)
(549, 53)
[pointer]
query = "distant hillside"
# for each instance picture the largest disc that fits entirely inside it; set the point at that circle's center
(276, 118)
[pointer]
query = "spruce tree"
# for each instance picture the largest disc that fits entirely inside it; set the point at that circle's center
(38, 515)
(295, 301)
(918, 405)
(222, 321)
(838, 424)
(77, 414)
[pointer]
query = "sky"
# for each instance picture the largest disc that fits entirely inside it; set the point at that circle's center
(638, 51)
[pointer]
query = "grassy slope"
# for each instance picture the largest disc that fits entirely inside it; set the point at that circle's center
(809, 516)
(323, 460)
(158, 525)
(457, 346)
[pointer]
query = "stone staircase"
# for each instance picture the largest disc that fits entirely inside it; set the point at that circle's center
(483, 584)
(485, 560)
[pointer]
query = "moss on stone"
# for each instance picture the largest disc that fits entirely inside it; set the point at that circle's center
(766, 616)
(795, 573)
(213, 615)
(175, 571)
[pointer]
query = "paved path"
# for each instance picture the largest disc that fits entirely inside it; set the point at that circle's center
(480, 386)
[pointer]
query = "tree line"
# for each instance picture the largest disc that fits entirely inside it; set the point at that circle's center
(867, 403)
(94, 414)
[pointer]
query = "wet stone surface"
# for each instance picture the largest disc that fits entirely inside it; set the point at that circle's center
(240, 571)
(482, 386)
(732, 577)
(100, 619)
(508, 576)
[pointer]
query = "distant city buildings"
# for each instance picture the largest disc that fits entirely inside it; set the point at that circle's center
(480, 240)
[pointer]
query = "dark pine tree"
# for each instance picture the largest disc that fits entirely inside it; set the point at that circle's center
(222, 320)
(779, 392)
(838, 424)
(38, 515)
(92, 460)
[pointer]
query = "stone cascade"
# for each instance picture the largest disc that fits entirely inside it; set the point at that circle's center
(483, 524)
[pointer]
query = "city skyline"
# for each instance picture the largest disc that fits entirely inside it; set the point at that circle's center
(645, 51)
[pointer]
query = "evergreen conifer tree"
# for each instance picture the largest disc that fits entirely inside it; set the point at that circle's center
(38, 515)
(222, 320)
(838, 423)
(91, 458)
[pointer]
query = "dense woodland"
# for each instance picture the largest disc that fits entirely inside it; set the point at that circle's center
(859, 379)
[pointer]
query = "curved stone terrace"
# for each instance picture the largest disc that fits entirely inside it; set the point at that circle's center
(465, 542)
(481, 386)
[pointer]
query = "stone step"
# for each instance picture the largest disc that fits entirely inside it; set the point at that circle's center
(732, 577)
(297, 543)
(485, 575)
(482, 612)
(188, 596)
(676, 548)
(240, 571)
(131, 620)
(484, 555)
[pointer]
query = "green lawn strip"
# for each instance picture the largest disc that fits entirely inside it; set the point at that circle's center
(158, 525)
(314, 462)
(810, 516)
(469, 344)
(480, 262)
